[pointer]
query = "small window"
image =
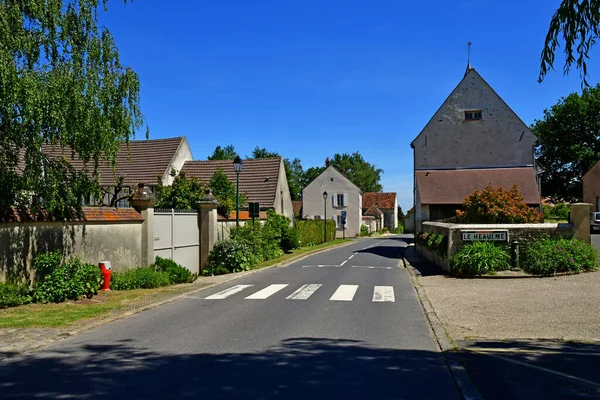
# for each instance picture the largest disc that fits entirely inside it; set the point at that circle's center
(338, 220)
(473, 115)
(317, 217)
(340, 200)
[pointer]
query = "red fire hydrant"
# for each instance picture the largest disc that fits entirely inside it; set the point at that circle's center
(106, 270)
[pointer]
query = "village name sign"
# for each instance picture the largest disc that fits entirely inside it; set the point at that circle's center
(500, 235)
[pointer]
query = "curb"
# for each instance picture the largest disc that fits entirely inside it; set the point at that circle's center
(448, 348)
(121, 315)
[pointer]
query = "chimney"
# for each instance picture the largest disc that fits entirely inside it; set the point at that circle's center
(327, 162)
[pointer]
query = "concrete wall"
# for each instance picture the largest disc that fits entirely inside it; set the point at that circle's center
(499, 139)
(523, 233)
(118, 242)
(333, 182)
(283, 199)
(591, 187)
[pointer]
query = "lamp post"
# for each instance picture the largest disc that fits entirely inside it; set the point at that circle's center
(237, 166)
(325, 214)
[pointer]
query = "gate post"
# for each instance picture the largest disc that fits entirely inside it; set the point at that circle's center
(143, 202)
(579, 217)
(207, 226)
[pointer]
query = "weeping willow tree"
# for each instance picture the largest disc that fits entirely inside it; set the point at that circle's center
(61, 84)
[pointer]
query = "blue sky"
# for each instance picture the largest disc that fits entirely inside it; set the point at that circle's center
(309, 79)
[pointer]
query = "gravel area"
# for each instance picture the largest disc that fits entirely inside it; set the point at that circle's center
(565, 307)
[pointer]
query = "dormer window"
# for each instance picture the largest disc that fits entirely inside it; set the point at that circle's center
(473, 115)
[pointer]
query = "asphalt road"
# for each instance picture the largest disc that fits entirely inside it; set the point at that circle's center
(343, 324)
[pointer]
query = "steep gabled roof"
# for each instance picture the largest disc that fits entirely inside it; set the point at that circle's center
(374, 211)
(381, 200)
(142, 162)
(336, 170)
(258, 178)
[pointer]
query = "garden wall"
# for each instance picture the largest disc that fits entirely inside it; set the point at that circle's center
(102, 234)
(523, 233)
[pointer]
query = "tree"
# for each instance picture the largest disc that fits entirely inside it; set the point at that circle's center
(223, 153)
(568, 144)
(183, 194)
(225, 192)
(579, 23)
(263, 153)
(63, 84)
(310, 175)
(400, 213)
(294, 173)
(363, 174)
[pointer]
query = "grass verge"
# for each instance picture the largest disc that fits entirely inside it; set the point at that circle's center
(64, 314)
(299, 252)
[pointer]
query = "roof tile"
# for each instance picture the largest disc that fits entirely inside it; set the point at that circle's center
(381, 200)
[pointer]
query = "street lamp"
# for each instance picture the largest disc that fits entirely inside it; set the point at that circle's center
(237, 166)
(325, 214)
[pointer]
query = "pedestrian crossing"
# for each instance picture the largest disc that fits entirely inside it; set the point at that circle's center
(347, 293)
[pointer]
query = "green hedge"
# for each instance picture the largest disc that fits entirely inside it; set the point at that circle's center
(435, 242)
(311, 231)
(12, 295)
(549, 256)
(177, 273)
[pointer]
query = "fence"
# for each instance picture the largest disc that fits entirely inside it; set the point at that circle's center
(176, 236)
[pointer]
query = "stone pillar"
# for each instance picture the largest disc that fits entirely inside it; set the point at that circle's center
(207, 226)
(580, 219)
(143, 201)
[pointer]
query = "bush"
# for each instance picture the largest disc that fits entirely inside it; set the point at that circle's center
(69, 281)
(45, 263)
(385, 230)
(364, 231)
(12, 295)
(549, 256)
(290, 240)
(558, 211)
(400, 229)
(233, 255)
(435, 242)
(479, 258)
(139, 278)
(497, 206)
(311, 231)
(177, 273)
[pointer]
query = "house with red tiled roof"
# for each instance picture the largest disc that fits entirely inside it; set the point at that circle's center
(139, 161)
(387, 203)
(264, 181)
(473, 139)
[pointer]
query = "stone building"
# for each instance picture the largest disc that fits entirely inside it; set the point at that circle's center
(387, 203)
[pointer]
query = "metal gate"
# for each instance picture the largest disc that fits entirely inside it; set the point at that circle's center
(176, 236)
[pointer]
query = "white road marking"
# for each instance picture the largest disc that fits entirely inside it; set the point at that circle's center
(228, 292)
(321, 266)
(384, 294)
(343, 263)
(344, 293)
(351, 256)
(370, 267)
(304, 292)
(266, 292)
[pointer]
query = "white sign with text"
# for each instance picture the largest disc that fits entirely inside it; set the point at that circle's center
(485, 235)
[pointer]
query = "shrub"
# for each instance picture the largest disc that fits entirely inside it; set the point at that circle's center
(69, 281)
(311, 231)
(364, 231)
(177, 273)
(44, 263)
(478, 258)
(233, 255)
(139, 278)
(12, 295)
(385, 230)
(400, 229)
(435, 242)
(558, 211)
(549, 256)
(497, 206)
(290, 240)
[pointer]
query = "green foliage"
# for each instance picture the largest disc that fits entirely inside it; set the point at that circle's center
(310, 175)
(385, 230)
(478, 258)
(312, 231)
(435, 242)
(290, 240)
(364, 231)
(497, 206)
(69, 281)
(225, 192)
(363, 174)
(294, 173)
(12, 295)
(139, 278)
(177, 273)
(231, 256)
(183, 194)
(549, 256)
(223, 153)
(400, 228)
(579, 23)
(558, 211)
(62, 84)
(44, 263)
(568, 143)
(259, 153)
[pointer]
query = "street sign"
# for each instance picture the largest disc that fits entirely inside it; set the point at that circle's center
(254, 209)
(497, 235)
(343, 217)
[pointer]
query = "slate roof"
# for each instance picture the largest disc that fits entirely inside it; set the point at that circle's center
(258, 178)
(452, 186)
(145, 160)
(374, 211)
(381, 200)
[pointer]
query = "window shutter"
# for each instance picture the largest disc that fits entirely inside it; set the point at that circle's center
(334, 197)
(335, 220)
(345, 199)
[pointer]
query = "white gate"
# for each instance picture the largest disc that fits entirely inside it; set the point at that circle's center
(176, 236)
